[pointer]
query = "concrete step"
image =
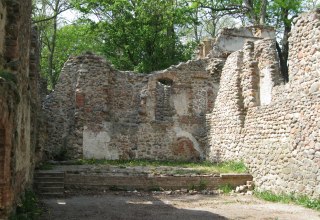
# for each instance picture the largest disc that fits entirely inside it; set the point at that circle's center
(49, 174)
(49, 179)
(52, 195)
(51, 190)
(48, 184)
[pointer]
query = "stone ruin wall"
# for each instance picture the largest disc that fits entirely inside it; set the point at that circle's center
(279, 138)
(231, 105)
(99, 112)
(19, 101)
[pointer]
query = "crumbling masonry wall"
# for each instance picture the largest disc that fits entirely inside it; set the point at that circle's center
(278, 135)
(19, 101)
(230, 105)
(99, 112)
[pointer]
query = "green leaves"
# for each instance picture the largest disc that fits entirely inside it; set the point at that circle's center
(149, 35)
(139, 34)
(71, 40)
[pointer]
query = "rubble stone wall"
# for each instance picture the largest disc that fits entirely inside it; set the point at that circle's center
(231, 105)
(278, 136)
(19, 101)
(99, 112)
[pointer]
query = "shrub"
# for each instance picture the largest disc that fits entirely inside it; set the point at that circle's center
(28, 209)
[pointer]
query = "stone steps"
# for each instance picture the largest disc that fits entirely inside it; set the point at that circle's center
(49, 184)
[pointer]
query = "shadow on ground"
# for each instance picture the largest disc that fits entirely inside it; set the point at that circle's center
(115, 207)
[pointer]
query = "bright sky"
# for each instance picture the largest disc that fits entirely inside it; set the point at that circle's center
(69, 16)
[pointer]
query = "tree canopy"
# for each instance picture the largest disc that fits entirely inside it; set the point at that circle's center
(139, 35)
(148, 35)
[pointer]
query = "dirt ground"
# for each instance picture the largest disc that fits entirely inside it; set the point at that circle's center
(161, 206)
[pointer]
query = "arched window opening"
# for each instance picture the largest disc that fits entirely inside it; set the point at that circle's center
(164, 109)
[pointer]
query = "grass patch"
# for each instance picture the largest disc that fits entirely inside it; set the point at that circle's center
(28, 209)
(46, 166)
(202, 185)
(204, 167)
(225, 188)
(289, 198)
(188, 171)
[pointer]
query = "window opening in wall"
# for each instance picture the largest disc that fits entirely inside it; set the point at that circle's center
(265, 86)
(166, 81)
(164, 109)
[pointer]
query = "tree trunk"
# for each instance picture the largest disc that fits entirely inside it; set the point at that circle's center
(195, 27)
(285, 43)
(283, 64)
(52, 75)
(250, 8)
(263, 12)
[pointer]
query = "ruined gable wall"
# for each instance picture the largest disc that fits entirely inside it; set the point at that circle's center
(18, 94)
(60, 108)
(279, 141)
(103, 113)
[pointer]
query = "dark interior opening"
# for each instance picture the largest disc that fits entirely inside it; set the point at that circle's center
(166, 81)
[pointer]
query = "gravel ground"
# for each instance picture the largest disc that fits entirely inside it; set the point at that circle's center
(158, 206)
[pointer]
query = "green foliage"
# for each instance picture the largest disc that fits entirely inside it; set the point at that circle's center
(139, 35)
(307, 202)
(226, 188)
(8, 76)
(281, 12)
(45, 166)
(236, 166)
(71, 40)
(289, 198)
(29, 208)
(149, 35)
(202, 185)
(46, 16)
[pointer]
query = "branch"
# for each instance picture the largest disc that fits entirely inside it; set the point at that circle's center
(53, 16)
(227, 8)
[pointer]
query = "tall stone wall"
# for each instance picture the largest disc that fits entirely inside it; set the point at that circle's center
(231, 105)
(99, 112)
(19, 101)
(274, 128)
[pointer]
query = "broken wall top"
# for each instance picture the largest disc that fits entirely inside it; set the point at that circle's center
(233, 39)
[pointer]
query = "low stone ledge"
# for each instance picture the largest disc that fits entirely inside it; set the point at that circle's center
(149, 182)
